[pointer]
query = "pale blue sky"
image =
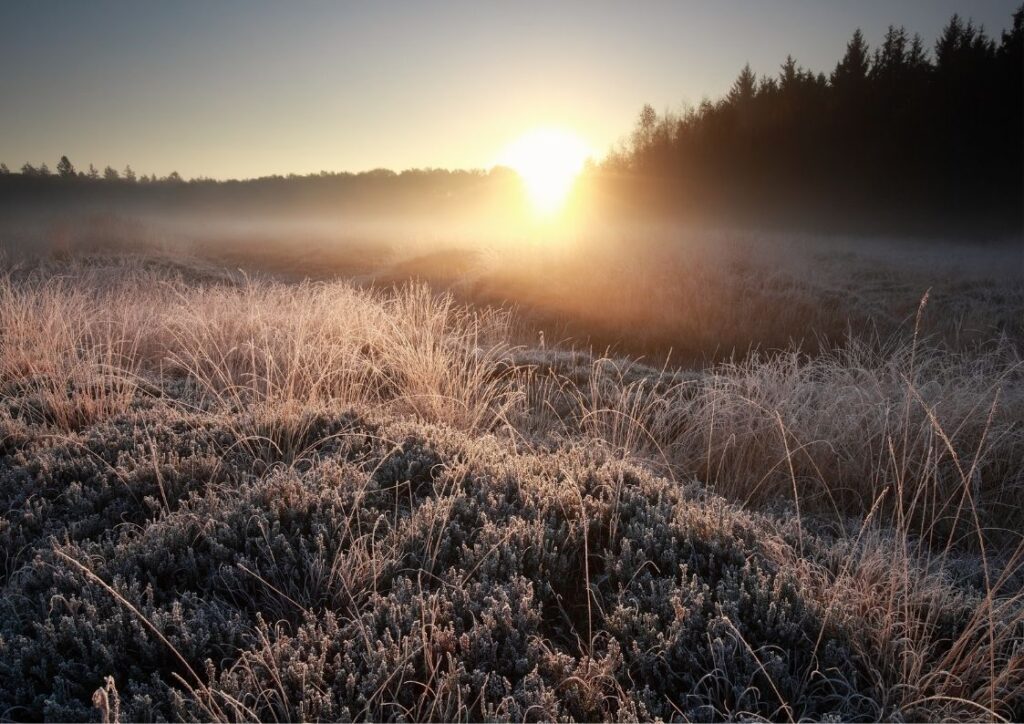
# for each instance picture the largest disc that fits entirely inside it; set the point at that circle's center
(247, 88)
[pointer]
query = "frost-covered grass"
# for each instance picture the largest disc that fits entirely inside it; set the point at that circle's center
(229, 498)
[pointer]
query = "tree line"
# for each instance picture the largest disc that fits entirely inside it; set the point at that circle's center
(66, 170)
(902, 137)
(379, 192)
(896, 136)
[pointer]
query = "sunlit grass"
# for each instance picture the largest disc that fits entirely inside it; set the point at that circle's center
(359, 456)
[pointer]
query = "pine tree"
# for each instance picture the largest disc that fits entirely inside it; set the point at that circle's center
(852, 70)
(890, 60)
(789, 75)
(917, 57)
(744, 87)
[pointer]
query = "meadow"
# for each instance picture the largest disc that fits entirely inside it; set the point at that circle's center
(691, 477)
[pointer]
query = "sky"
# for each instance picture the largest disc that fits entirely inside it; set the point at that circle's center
(245, 88)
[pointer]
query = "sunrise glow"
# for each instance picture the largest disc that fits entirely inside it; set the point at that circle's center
(548, 160)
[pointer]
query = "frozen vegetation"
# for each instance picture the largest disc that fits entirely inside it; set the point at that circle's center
(235, 497)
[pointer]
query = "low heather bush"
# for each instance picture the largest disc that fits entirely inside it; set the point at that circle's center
(406, 572)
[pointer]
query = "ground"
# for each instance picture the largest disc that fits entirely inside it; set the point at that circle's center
(235, 495)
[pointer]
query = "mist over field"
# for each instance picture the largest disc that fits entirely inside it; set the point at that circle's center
(726, 423)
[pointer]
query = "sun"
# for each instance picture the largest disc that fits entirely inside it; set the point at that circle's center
(548, 160)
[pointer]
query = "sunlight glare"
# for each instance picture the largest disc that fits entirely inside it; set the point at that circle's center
(548, 160)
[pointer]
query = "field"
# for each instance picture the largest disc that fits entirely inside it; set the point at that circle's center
(701, 477)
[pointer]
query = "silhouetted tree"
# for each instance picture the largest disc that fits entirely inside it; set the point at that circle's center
(744, 87)
(852, 71)
(110, 174)
(44, 170)
(64, 168)
(890, 60)
(643, 136)
(93, 173)
(917, 57)
(789, 75)
(4, 171)
(129, 175)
